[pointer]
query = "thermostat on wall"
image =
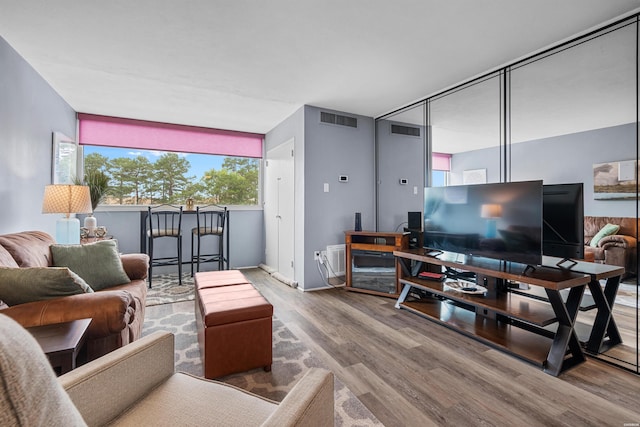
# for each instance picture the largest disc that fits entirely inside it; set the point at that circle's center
(343, 178)
(404, 181)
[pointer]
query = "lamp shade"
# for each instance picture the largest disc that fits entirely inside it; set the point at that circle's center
(491, 211)
(66, 199)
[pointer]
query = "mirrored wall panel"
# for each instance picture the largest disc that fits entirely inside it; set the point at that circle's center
(568, 117)
(573, 122)
(465, 124)
(401, 154)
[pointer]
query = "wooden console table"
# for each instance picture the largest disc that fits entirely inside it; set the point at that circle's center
(374, 244)
(541, 332)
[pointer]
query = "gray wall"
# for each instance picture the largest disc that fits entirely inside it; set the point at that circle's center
(322, 152)
(30, 111)
(563, 159)
(331, 151)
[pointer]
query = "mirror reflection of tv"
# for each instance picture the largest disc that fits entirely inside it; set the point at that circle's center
(501, 220)
(563, 221)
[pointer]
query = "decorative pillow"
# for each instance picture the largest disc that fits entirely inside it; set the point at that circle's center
(607, 230)
(30, 394)
(22, 285)
(98, 263)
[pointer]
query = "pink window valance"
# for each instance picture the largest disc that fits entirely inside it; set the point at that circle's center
(441, 161)
(140, 134)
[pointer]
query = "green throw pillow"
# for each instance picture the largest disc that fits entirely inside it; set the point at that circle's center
(607, 230)
(22, 285)
(98, 263)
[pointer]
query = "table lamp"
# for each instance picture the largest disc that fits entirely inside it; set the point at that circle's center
(67, 199)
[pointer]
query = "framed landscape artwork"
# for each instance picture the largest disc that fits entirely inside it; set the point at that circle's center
(615, 180)
(64, 165)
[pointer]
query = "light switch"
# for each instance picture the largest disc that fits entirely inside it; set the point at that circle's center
(415, 190)
(326, 187)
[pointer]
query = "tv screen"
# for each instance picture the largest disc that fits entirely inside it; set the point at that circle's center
(501, 220)
(563, 220)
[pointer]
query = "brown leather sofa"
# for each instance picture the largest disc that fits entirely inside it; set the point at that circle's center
(117, 312)
(618, 249)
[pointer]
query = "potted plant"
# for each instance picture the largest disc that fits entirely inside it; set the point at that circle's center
(98, 183)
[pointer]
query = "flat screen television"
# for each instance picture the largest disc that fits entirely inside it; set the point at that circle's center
(563, 220)
(501, 220)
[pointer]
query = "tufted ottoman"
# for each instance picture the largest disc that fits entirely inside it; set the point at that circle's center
(234, 324)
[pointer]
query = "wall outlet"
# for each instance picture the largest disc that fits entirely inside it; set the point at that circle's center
(316, 255)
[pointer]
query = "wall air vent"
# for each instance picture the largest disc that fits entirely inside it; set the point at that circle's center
(405, 130)
(337, 119)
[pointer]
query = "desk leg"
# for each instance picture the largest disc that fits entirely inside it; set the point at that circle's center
(565, 337)
(403, 295)
(604, 321)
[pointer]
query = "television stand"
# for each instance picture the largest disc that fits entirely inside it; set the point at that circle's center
(540, 332)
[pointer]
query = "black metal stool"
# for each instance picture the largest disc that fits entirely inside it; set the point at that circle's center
(164, 221)
(211, 220)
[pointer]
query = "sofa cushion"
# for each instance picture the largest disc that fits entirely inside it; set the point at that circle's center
(607, 230)
(22, 285)
(97, 263)
(30, 392)
(29, 248)
(6, 260)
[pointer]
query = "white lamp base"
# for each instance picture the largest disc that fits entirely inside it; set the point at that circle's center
(68, 231)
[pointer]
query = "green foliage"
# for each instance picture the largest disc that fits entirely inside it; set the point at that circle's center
(98, 183)
(139, 181)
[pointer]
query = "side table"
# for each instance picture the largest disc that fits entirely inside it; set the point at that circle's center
(62, 342)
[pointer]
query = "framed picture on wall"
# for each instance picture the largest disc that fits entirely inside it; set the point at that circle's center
(615, 180)
(64, 167)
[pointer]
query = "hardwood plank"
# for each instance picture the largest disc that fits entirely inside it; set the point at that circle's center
(410, 371)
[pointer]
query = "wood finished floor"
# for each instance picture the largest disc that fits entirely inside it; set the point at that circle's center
(412, 372)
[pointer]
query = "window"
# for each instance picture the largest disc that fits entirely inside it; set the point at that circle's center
(143, 177)
(441, 166)
(216, 166)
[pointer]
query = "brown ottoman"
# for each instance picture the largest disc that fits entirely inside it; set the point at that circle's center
(234, 324)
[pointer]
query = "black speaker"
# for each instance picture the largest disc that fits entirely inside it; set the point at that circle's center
(358, 222)
(415, 221)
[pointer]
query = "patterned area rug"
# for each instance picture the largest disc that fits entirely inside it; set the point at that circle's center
(166, 290)
(291, 359)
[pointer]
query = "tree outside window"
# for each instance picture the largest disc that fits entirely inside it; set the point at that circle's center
(145, 177)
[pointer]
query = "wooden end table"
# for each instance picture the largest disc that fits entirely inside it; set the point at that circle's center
(61, 342)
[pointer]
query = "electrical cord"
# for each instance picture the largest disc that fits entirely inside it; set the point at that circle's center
(327, 266)
(401, 225)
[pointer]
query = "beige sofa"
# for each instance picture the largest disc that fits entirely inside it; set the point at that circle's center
(619, 249)
(117, 313)
(136, 385)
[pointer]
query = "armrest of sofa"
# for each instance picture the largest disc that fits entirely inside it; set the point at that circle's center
(617, 240)
(105, 387)
(309, 403)
(111, 311)
(135, 265)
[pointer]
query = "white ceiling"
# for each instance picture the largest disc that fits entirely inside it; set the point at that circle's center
(247, 65)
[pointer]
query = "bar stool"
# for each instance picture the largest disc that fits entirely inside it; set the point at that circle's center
(164, 221)
(210, 221)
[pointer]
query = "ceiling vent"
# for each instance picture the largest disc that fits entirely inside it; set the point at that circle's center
(337, 119)
(405, 130)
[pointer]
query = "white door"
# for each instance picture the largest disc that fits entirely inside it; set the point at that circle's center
(279, 209)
